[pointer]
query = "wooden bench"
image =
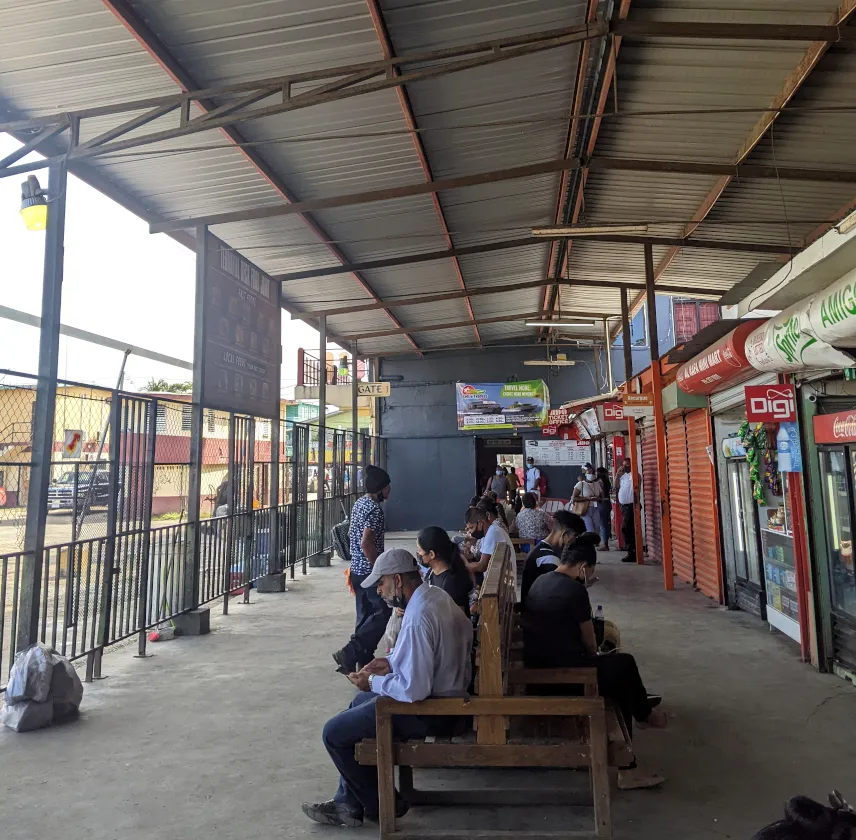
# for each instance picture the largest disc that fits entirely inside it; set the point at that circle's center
(500, 736)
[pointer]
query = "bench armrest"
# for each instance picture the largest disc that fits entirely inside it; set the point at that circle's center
(586, 677)
(477, 706)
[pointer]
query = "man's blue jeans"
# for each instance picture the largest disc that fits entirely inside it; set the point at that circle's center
(357, 782)
(372, 616)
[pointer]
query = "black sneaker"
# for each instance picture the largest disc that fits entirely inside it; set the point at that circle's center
(333, 813)
(346, 666)
(628, 559)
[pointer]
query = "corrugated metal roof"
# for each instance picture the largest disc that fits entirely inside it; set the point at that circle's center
(67, 54)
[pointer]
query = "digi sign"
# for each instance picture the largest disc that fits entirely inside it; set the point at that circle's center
(770, 403)
(613, 411)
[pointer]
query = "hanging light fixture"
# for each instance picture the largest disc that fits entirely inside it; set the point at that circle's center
(34, 204)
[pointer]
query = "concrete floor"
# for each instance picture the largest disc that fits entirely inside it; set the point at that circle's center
(219, 737)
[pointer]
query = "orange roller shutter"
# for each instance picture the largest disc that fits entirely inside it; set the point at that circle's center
(651, 497)
(679, 499)
(704, 510)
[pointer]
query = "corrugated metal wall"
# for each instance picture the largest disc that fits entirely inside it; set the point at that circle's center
(703, 505)
(651, 496)
(679, 499)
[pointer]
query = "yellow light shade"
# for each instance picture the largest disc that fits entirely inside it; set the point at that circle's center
(35, 216)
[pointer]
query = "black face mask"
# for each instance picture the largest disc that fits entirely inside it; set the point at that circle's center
(478, 533)
(627, 469)
(398, 601)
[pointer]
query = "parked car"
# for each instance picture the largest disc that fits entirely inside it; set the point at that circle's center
(61, 491)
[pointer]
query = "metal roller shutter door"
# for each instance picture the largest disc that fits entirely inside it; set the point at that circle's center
(651, 497)
(703, 506)
(679, 499)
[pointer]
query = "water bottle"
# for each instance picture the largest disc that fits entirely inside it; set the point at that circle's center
(783, 446)
(598, 613)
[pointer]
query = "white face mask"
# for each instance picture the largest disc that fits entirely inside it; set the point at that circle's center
(589, 476)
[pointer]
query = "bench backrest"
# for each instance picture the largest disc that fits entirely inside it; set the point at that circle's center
(496, 626)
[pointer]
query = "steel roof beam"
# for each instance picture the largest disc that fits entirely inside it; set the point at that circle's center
(498, 319)
(550, 298)
(530, 241)
(496, 290)
(418, 146)
(673, 167)
(159, 52)
(791, 86)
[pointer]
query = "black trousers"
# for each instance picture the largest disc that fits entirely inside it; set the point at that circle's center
(372, 616)
(618, 679)
(628, 528)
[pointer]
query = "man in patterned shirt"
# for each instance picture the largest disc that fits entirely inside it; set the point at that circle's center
(366, 542)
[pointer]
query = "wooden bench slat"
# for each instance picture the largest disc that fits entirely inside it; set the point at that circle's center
(481, 755)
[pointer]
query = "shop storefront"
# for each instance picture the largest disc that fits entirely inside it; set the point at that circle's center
(835, 437)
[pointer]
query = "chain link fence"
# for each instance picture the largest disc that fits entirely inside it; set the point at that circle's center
(124, 550)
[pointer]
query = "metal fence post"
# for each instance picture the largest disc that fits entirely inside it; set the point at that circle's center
(190, 599)
(274, 559)
(231, 495)
(44, 411)
(321, 492)
(145, 549)
(250, 526)
(355, 423)
(108, 571)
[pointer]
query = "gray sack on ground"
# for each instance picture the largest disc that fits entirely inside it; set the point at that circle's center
(43, 689)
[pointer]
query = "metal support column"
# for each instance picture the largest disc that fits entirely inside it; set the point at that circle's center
(274, 558)
(607, 347)
(44, 411)
(248, 550)
(625, 334)
(194, 493)
(659, 419)
(322, 427)
(143, 606)
(355, 424)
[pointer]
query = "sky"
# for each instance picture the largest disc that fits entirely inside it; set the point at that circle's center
(120, 281)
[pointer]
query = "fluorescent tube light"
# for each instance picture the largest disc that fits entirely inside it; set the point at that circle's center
(588, 230)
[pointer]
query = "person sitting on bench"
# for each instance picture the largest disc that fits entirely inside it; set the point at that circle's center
(432, 658)
(558, 633)
(545, 556)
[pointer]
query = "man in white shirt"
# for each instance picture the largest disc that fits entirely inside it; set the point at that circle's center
(432, 658)
(533, 474)
(627, 500)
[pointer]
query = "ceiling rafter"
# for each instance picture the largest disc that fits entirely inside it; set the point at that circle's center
(792, 84)
(550, 300)
(150, 42)
(418, 146)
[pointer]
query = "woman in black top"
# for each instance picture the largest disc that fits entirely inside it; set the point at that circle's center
(446, 566)
(558, 633)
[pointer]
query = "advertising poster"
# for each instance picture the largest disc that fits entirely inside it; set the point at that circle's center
(501, 405)
(558, 453)
(242, 348)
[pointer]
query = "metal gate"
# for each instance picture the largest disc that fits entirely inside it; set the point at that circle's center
(651, 496)
(679, 499)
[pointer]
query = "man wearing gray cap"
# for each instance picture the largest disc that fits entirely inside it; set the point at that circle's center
(432, 658)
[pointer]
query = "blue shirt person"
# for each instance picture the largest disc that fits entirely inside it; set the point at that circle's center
(432, 658)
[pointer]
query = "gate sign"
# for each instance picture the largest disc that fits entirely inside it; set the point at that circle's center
(770, 403)
(373, 389)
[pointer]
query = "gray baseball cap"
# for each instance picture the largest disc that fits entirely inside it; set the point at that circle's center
(394, 561)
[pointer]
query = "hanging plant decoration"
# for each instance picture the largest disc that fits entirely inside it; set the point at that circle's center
(749, 439)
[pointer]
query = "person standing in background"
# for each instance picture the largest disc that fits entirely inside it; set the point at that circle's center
(605, 508)
(627, 500)
(533, 477)
(585, 499)
(366, 536)
(498, 483)
(513, 482)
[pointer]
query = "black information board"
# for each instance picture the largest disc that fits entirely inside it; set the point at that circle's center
(242, 342)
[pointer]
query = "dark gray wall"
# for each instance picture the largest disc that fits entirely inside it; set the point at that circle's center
(431, 464)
